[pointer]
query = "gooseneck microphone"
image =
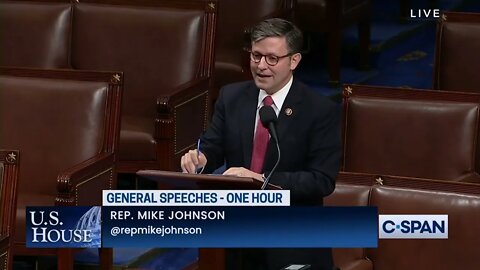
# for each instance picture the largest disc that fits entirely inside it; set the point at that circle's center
(269, 120)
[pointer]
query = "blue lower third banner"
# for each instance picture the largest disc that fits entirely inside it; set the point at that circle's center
(229, 227)
(63, 226)
(157, 226)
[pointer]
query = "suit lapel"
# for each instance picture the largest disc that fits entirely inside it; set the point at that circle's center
(247, 122)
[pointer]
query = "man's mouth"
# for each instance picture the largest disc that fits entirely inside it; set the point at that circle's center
(263, 75)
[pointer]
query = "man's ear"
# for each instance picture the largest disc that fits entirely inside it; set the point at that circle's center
(295, 60)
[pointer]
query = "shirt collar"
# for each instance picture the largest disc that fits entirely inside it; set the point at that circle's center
(278, 97)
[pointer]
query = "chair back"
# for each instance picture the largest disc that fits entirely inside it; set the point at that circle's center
(406, 132)
(460, 201)
(457, 55)
(62, 121)
(159, 45)
(165, 48)
(394, 195)
(47, 25)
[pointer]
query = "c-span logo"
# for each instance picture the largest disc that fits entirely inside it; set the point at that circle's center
(413, 226)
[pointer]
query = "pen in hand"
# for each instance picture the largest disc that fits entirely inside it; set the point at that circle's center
(198, 170)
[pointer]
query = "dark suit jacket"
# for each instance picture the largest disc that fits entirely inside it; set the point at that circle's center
(310, 157)
(309, 139)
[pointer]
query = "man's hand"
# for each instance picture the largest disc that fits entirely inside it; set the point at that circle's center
(192, 161)
(242, 172)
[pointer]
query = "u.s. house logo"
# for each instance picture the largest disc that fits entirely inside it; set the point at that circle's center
(63, 227)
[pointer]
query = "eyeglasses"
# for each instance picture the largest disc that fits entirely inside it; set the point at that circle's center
(270, 59)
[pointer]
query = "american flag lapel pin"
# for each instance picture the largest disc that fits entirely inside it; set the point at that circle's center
(288, 111)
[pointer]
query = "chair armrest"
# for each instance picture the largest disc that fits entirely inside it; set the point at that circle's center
(83, 183)
(5, 254)
(189, 93)
(185, 110)
(182, 94)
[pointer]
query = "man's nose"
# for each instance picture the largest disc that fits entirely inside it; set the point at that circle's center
(263, 63)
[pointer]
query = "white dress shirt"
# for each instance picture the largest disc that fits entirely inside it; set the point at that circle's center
(278, 99)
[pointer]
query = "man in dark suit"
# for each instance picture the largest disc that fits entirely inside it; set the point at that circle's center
(308, 131)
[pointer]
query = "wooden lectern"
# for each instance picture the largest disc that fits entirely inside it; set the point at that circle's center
(209, 258)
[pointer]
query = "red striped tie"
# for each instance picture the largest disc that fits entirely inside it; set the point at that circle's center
(260, 142)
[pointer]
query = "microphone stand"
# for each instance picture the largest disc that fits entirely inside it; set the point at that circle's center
(267, 179)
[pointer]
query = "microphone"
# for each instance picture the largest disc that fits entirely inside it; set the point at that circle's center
(269, 120)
